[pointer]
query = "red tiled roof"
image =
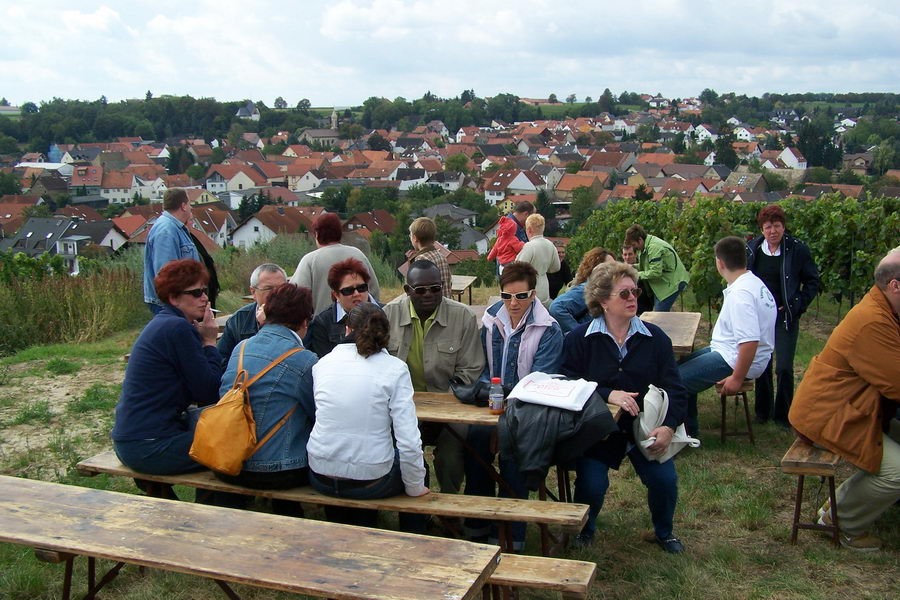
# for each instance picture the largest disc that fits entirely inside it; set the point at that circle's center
(83, 212)
(374, 220)
(116, 180)
(89, 175)
(129, 224)
(571, 181)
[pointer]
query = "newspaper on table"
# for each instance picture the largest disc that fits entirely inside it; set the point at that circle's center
(551, 390)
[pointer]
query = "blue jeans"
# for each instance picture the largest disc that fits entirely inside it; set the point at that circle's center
(660, 479)
(161, 456)
(783, 361)
(665, 305)
(699, 371)
(480, 483)
(383, 487)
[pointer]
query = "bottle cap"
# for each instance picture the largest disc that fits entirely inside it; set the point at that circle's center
(495, 380)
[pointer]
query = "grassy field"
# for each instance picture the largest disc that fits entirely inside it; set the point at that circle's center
(734, 511)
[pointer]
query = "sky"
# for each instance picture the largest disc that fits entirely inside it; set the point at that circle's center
(340, 52)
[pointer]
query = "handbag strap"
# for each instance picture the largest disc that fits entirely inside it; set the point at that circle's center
(269, 366)
(274, 430)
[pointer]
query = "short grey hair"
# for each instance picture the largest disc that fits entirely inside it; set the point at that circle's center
(265, 268)
(888, 269)
(600, 284)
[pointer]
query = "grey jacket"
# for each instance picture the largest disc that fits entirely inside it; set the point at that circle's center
(452, 345)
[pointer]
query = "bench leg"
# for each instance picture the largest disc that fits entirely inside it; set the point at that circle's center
(795, 526)
(227, 589)
(747, 416)
(836, 534)
(67, 579)
(724, 401)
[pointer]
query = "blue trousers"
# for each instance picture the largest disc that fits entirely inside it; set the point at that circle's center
(162, 456)
(480, 483)
(699, 371)
(665, 305)
(661, 480)
(383, 487)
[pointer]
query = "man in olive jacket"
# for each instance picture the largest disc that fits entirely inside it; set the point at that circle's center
(438, 339)
(847, 401)
(658, 266)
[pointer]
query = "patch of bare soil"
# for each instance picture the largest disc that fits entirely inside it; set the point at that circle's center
(41, 441)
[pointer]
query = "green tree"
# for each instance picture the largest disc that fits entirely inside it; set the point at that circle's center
(457, 162)
(303, 106)
(196, 172)
(376, 142)
(708, 96)
(571, 99)
(642, 192)
(725, 154)
(280, 103)
(584, 199)
(544, 206)
(447, 233)
(8, 145)
(41, 210)
(818, 175)
(9, 184)
(774, 181)
(884, 157)
(574, 167)
(607, 102)
(552, 98)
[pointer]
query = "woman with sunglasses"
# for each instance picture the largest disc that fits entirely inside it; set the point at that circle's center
(173, 364)
(624, 355)
(349, 283)
(519, 337)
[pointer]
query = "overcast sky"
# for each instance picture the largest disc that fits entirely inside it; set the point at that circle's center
(339, 52)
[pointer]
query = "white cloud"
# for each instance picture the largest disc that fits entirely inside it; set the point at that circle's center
(342, 52)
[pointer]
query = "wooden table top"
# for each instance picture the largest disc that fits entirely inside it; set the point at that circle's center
(438, 407)
(271, 551)
(460, 282)
(681, 327)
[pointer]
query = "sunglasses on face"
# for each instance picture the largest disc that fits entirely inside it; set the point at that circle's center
(636, 292)
(424, 289)
(519, 296)
(348, 291)
(197, 292)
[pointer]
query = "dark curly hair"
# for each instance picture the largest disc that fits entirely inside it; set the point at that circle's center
(289, 305)
(350, 266)
(328, 228)
(177, 276)
(369, 328)
(591, 259)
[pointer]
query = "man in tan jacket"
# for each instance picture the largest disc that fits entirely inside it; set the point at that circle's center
(847, 401)
(438, 339)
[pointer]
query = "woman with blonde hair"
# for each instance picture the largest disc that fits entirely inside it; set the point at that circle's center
(570, 309)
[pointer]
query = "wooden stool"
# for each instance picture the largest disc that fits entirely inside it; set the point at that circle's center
(804, 459)
(747, 386)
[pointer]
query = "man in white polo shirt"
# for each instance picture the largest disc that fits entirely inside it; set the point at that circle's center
(743, 337)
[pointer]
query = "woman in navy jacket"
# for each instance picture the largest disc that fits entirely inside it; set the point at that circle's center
(624, 355)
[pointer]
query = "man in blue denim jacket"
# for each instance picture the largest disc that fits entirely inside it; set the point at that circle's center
(169, 240)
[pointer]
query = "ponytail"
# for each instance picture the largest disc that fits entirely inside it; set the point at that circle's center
(369, 327)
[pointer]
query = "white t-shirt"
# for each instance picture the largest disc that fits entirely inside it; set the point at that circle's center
(748, 315)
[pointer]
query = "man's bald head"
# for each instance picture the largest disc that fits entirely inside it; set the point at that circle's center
(887, 278)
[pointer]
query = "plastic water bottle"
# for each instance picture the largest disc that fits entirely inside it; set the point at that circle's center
(496, 402)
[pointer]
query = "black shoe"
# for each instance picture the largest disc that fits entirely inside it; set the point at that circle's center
(582, 540)
(671, 544)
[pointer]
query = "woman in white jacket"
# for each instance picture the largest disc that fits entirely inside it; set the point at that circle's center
(361, 394)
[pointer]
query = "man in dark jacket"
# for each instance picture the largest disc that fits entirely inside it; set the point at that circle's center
(786, 267)
(244, 323)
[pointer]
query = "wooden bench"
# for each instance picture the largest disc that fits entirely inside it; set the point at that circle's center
(568, 517)
(804, 459)
(746, 386)
(572, 578)
(269, 551)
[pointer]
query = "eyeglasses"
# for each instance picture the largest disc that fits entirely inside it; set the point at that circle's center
(265, 288)
(424, 289)
(636, 292)
(518, 296)
(197, 292)
(348, 291)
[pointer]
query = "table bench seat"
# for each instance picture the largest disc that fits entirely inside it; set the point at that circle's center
(803, 459)
(571, 577)
(569, 517)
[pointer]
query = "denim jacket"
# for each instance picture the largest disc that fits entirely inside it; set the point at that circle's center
(273, 395)
(570, 309)
(168, 240)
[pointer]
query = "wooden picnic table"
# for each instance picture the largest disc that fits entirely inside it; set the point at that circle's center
(461, 283)
(270, 551)
(681, 327)
(443, 407)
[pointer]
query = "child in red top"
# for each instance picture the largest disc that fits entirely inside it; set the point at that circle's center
(507, 246)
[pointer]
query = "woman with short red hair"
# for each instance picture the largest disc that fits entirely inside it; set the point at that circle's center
(173, 364)
(312, 271)
(786, 267)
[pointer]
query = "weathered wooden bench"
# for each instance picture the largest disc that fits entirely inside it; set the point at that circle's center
(270, 551)
(804, 459)
(568, 517)
(747, 386)
(573, 578)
